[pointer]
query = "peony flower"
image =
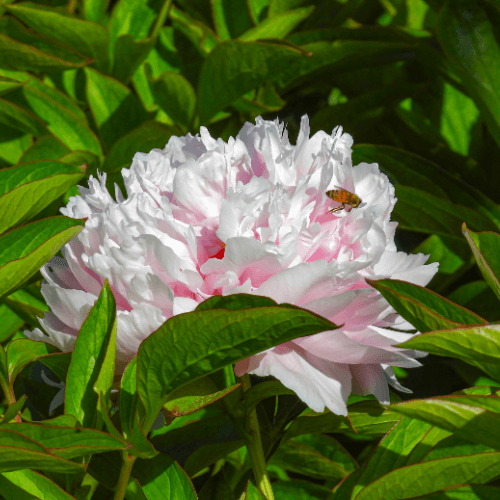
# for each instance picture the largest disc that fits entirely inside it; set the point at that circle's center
(203, 217)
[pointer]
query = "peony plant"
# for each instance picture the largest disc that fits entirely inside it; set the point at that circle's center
(205, 218)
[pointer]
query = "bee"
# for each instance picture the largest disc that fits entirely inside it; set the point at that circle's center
(346, 198)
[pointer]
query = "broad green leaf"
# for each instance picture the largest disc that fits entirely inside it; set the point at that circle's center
(219, 19)
(343, 490)
(66, 442)
(4, 374)
(253, 493)
(18, 118)
(412, 170)
(431, 439)
(128, 56)
(435, 475)
(21, 49)
(13, 144)
(13, 409)
(26, 189)
(24, 250)
(459, 115)
(115, 108)
(161, 477)
(88, 357)
(217, 486)
(371, 418)
(94, 10)
(195, 395)
(477, 296)
(278, 26)
(176, 96)
(479, 344)
(297, 489)
(423, 308)
(486, 249)
(393, 450)
(314, 455)
(206, 455)
(469, 492)
(20, 352)
(19, 452)
(10, 322)
(147, 136)
(475, 418)
(134, 18)
(467, 35)
(202, 37)
(61, 121)
(191, 345)
(422, 212)
(89, 39)
(455, 446)
(311, 422)
(8, 84)
(234, 68)
(30, 485)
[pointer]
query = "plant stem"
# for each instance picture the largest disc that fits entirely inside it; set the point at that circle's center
(255, 449)
(128, 463)
(162, 17)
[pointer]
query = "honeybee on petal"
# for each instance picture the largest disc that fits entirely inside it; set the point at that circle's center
(346, 198)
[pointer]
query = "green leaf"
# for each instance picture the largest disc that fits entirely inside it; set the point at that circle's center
(472, 344)
(469, 492)
(13, 409)
(189, 346)
(58, 363)
(195, 395)
(161, 477)
(128, 56)
(30, 485)
(477, 296)
(66, 442)
(147, 136)
(216, 487)
(311, 422)
(88, 358)
(252, 493)
(115, 108)
(278, 26)
(475, 418)
(467, 35)
(8, 84)
(61, 121)
(21, 49)
(89, 39)
(314, 455)
(423, 308)
(201, 36)
(16, 117)
(219, 19)
(23, 251)
(27, 189)
(19, 452)
(371, 418)
(94, 10)
(486, 249)
(21, 352)
(412, 170)
(208, 454)
(393, 450)
(435, 475)
(296, 489)
(233, 68)
(176, 96)
(10, 322)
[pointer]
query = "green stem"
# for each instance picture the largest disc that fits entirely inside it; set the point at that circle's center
(255, 449)
(128, 463)
(162, 17)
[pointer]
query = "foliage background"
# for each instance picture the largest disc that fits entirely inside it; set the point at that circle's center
(415, 82)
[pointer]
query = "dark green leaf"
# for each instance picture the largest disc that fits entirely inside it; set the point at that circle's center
(207, 454)
(8, 84)
(191, 345)
(89, 39)
(234, 68)
(486, 249)
(423, 308)
(45, 148)
(18, 118)
(299, 490)
(176, 96)
(23, 251)
(10, 322)
(128, 55)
